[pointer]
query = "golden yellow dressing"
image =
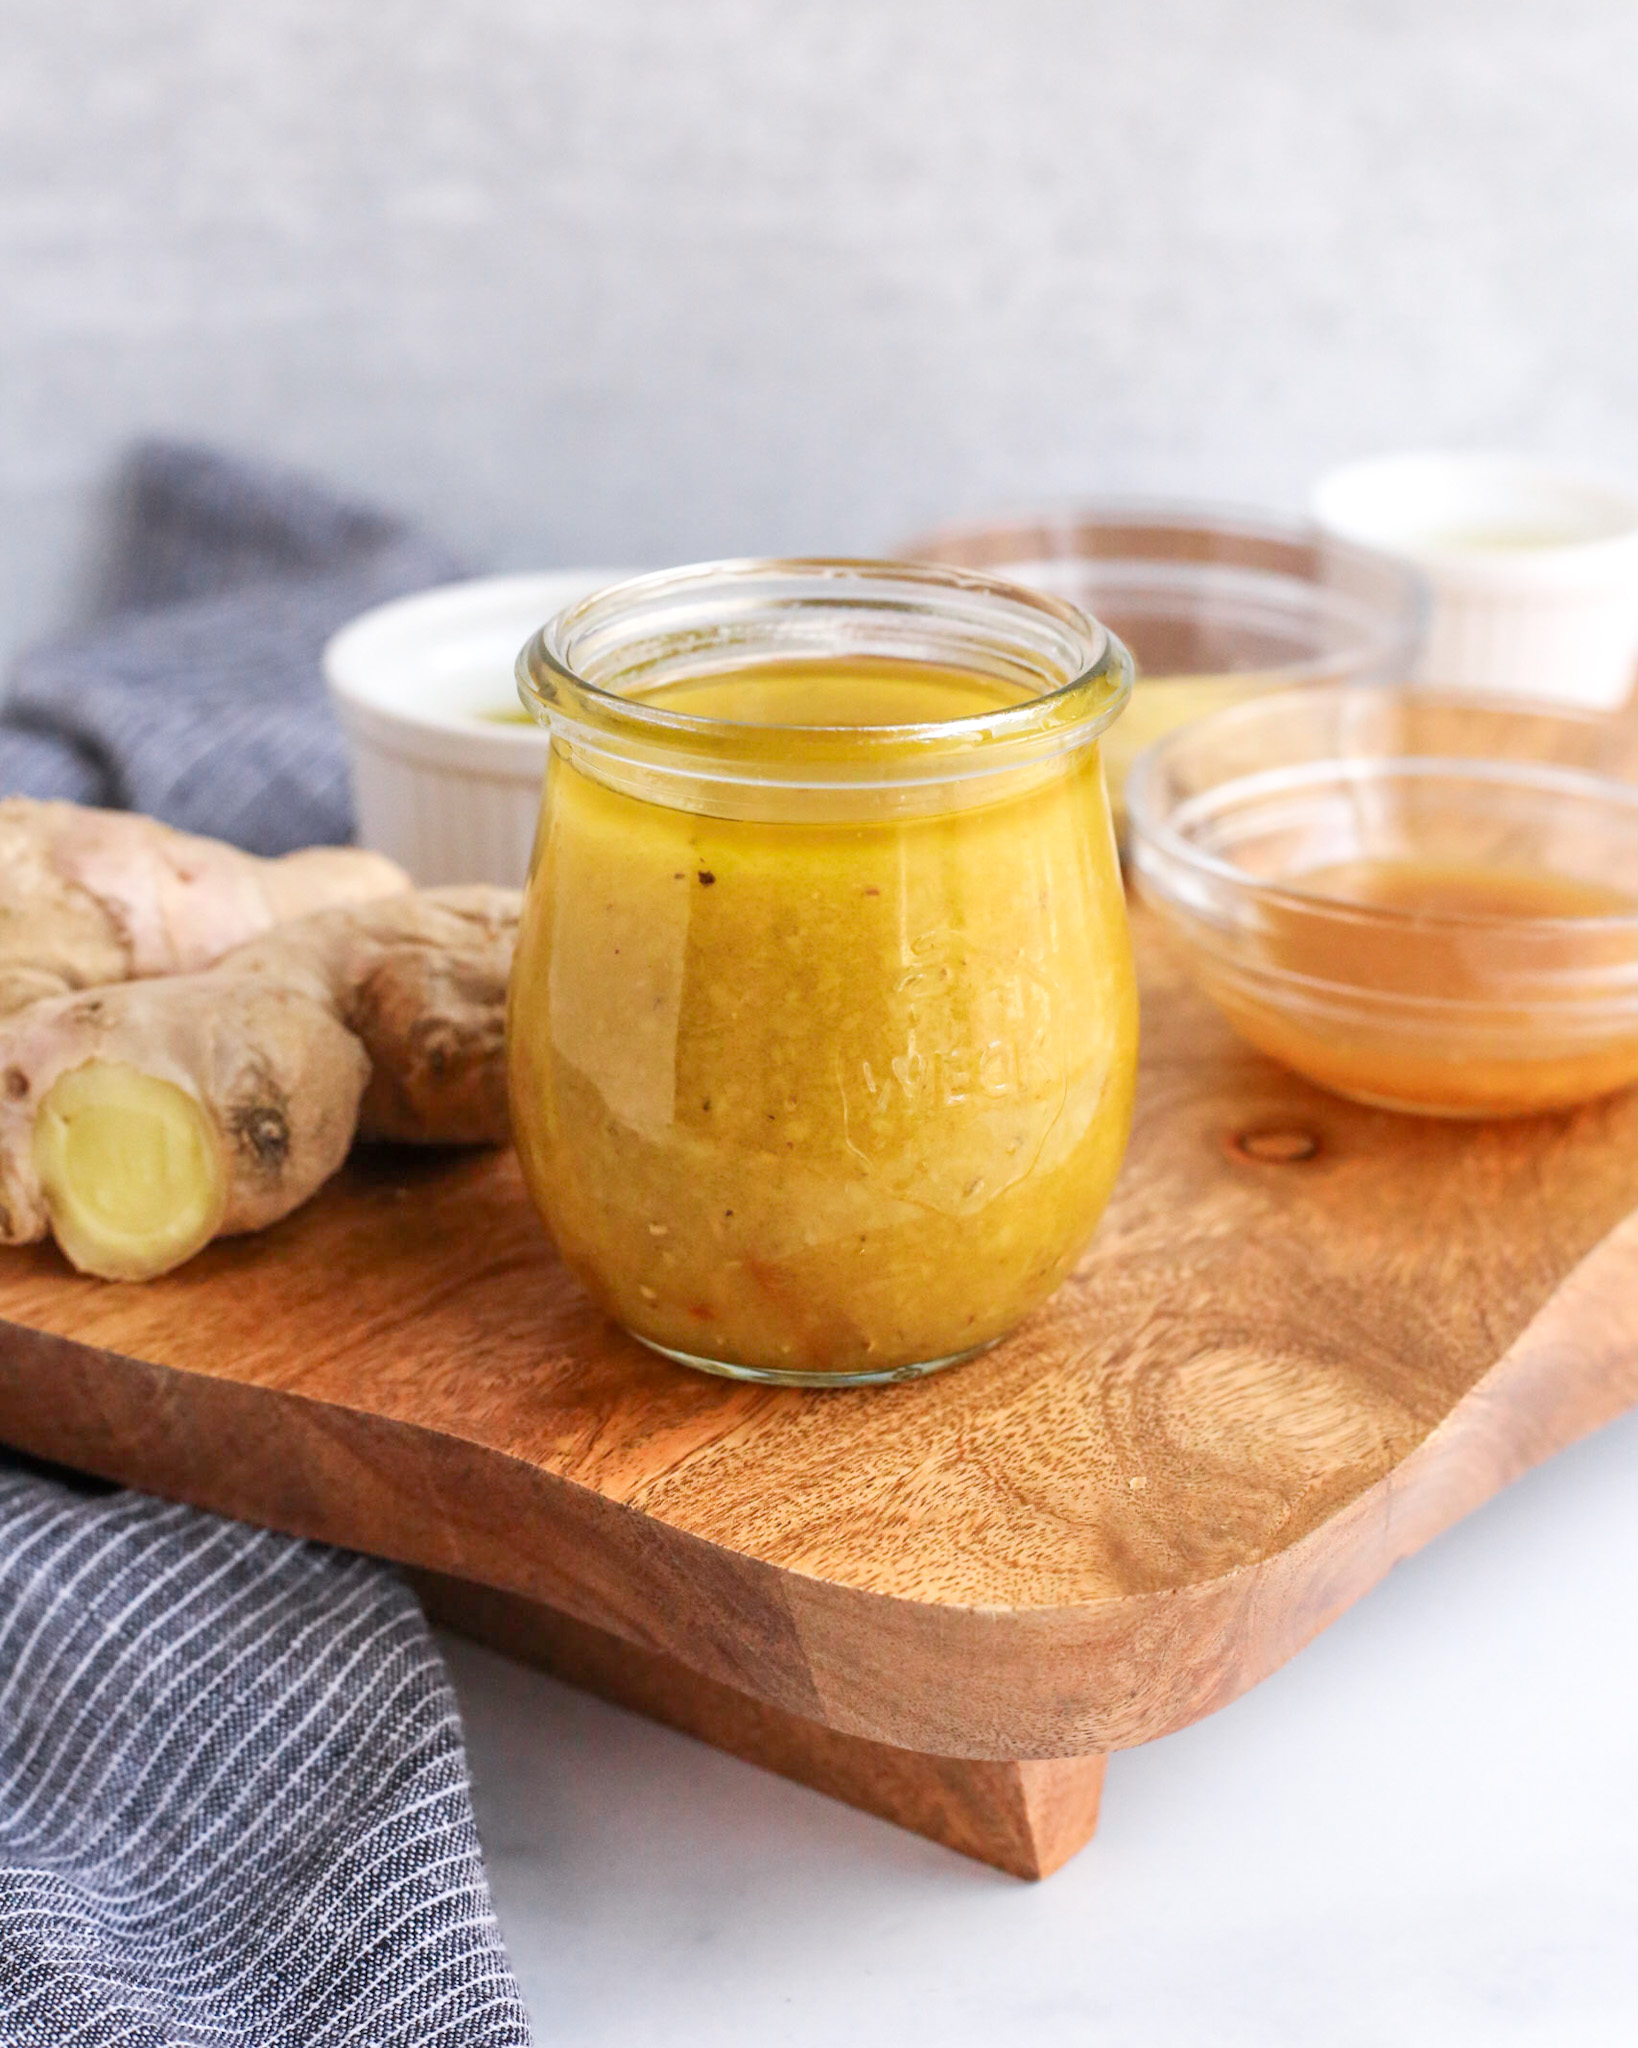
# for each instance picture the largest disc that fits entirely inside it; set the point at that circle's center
(825, 1095)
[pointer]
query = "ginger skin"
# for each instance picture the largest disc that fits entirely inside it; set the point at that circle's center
(421, 980)
(89, 897)
(140, 1120)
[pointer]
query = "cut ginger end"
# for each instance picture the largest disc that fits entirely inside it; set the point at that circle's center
(131, 1168)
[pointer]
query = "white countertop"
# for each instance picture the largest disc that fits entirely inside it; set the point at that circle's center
(1422, 1832)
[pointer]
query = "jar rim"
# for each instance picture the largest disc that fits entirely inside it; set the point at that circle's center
(1086, 671)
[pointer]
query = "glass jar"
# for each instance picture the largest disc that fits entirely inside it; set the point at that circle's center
(823, 1023)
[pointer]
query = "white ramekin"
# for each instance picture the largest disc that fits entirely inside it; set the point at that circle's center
(1534, 568)
(446, 775)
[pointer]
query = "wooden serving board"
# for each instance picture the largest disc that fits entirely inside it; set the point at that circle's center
(1307, 1337)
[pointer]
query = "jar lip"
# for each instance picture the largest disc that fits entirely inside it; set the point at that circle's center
(552, 686)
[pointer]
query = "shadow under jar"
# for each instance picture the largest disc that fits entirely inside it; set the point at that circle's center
(823, 1026)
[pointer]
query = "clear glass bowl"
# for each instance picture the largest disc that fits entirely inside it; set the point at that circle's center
(1427, 904)
(1215, 606)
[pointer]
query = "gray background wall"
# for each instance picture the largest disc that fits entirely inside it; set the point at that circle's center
(583, 280)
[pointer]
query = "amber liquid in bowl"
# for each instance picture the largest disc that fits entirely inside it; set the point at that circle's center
(812, 1098)
(1444, 967)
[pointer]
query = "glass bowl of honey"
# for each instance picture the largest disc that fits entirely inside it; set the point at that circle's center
(1216, 606)
(1424, 903)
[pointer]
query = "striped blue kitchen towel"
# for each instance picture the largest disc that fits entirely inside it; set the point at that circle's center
(234, 1806)
(234, 1809)
(196, 694)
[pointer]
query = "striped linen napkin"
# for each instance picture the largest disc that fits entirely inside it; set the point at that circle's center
(234, 1805)
(195, 694)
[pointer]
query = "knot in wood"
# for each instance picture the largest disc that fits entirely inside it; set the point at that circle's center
(1281, 1147)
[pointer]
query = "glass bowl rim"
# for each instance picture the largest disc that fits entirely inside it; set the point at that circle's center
(1103, 678)
(1141, 508)
(1146, 827)
(1227, 518)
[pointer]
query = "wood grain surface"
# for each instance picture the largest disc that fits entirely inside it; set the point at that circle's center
(1308, 1336)
(1025, 1818)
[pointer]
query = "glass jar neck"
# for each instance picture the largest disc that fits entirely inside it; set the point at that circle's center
(598, 675)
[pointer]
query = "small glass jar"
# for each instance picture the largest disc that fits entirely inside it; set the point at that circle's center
(823, 1023)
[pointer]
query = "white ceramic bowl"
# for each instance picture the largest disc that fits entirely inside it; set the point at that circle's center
(446, 767)
(1534, 568)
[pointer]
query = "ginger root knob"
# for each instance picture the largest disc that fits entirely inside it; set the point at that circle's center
(131, 1169)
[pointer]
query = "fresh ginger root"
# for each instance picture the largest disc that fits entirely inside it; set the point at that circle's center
(89, 897)
(420, 980)
(140, 1120)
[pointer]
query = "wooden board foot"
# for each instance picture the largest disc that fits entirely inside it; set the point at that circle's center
(1025, 1818)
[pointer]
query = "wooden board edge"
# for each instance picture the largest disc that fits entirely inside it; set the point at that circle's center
(1026, 1819)
(1124, 1672)
(956, 1682)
